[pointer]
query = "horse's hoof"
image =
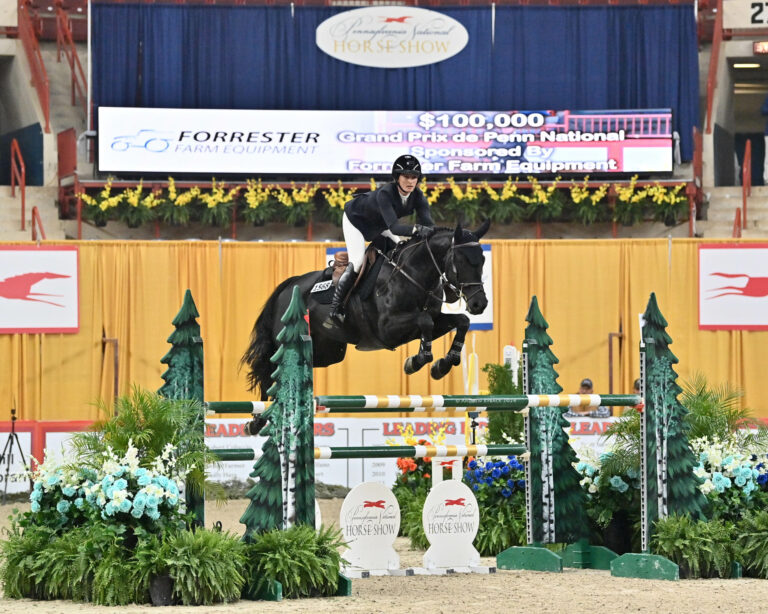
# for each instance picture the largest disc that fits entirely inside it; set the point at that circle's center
(437, 370)
(412, 365)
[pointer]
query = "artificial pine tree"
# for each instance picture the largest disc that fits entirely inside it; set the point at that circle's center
(558, 502)
(184, 379)
(284, 494)
(672, 487)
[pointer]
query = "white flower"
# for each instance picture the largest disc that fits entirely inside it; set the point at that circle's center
(700, 472)
(118, 496)
(585, 480)
(707, 487)
(592, 488)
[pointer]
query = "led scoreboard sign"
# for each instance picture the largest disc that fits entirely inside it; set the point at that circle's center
(538, 142)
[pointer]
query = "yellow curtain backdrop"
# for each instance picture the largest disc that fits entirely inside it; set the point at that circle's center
(130, 292)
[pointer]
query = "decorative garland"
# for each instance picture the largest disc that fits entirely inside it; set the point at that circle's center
(258, 203)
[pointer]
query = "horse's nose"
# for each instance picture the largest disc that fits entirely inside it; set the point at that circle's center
(477, 304)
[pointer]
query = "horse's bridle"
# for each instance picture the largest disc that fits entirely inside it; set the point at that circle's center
(443, 282)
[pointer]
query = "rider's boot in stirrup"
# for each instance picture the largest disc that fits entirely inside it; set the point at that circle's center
(336, 316)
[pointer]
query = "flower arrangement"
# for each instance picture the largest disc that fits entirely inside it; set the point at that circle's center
(101, 208)
(590, 206)
(669, 204)
(217, 204)
(65, 492)
(415, 473)
(503, 204)
(734, 481)
(499, 486)
(630, 203)
(260, 204)
(466, 203)
(298, 203)
(544, 205)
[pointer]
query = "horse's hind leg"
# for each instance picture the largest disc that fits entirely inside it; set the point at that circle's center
(426, 326)
(443, 324)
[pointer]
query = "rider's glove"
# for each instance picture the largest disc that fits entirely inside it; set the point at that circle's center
(423, 232)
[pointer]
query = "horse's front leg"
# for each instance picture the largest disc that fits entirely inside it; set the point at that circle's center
(444, 323)
(426, 325)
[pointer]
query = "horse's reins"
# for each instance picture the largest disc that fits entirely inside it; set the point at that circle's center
(443, 281)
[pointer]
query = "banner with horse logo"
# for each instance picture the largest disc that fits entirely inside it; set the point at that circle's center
(39, 289)
(733, 287)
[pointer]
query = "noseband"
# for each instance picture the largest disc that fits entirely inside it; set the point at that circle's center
(460, 290)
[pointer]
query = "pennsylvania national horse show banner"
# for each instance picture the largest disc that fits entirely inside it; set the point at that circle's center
(39, 289)
(733, 286)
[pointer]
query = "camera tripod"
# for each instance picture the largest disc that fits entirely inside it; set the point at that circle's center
(7, 453)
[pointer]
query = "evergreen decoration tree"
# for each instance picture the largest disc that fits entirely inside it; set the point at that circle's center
(284, 493)
(184, 376)
(672, 488)
(558, 504)
(184, 380)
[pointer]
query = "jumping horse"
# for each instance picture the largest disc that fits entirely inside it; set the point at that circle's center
(403, 304)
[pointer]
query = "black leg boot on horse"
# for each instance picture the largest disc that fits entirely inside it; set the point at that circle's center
(346, 281)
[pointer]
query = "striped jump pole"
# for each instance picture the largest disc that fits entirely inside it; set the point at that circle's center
(436, 403)
(248, 454)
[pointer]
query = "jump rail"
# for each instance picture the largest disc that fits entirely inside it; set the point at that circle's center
(247, 454)
(435, 403)
(19, 178)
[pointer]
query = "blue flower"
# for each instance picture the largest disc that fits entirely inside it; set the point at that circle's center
(162, 481)
(475, 487)
(118, 472)
(618, 484)
(151, 501)
(521, 484)
(511, 457)
(469, 476)
(505, 470)
(172, 488)
(479, 473)
(472, 464)
(140, 472)
(505, 492)
(107, 482)
(63, 506)
(173, 500)
(35, 507)
(762, 479)
(633, 473)
(144, 480)
(36, 495)
(52, 480)
(489, 481)
(511, 483)
(125, 505)
(488, 465)
(120, 484)
(110, 508)
(740, 480)
(79, 502)
(38, 485)
(140, 500)
(496, 473)
(581, 466)
(153, 514)
(137, 512)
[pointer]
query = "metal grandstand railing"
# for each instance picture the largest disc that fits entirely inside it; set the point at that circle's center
(65, 43)
(28, 37)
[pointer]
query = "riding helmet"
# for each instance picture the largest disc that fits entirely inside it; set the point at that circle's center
(406, 164)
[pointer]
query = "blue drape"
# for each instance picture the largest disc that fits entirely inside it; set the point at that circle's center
(612, 57)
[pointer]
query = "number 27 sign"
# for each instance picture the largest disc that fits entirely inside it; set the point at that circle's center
(744, 14)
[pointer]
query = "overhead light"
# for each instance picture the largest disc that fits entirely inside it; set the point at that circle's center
(760, 47)
(746, 65)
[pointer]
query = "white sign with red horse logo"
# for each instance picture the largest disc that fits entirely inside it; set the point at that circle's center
(451, 519)
(733, 287)
(39, 289)
(370, 521)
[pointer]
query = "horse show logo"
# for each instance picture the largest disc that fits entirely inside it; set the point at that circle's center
(391, 37)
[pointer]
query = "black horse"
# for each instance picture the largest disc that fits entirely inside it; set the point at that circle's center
(404, 304)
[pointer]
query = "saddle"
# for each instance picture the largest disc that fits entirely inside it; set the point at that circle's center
(364, 283)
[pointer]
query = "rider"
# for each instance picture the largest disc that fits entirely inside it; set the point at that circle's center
(376, 213)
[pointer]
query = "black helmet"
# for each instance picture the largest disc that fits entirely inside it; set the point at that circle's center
(406, 164)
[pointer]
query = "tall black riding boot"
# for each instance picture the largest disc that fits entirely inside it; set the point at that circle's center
(336, 316)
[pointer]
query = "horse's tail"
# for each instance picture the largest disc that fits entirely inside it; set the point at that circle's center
(263, 344)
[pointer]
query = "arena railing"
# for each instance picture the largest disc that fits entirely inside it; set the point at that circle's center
(28, 37)
(65, 42)
(37, 225)
(737, 224)
(746, 182)
(19, 178)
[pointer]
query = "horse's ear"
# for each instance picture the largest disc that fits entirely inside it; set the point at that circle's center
(458, 234)
(483, 229)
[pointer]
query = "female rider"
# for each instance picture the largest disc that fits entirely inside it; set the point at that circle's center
(376, 213)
